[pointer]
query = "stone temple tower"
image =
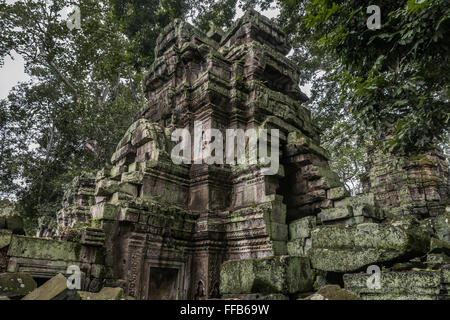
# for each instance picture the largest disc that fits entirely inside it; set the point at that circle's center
(164, 230)
(170, 227)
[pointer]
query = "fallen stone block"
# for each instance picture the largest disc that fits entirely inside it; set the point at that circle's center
(16, 285)
(54, 289)
(343, 249)
(333, 292)
(413, 285)
(106, 293)
(111, 294)
(407, 266)
(299, 247)
(282, 274)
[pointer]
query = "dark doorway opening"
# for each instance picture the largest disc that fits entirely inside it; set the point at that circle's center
(41, 280)
(163, 284)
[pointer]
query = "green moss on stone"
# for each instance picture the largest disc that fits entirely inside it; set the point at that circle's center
(16, 284)
(5, 238)
(36, 248)
(282, 274)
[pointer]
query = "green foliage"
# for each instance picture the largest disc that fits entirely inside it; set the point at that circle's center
(365, 82)
(83, 95)
(143, 20)
(395, 77)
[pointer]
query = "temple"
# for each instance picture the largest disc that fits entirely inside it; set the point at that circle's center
(161, 230)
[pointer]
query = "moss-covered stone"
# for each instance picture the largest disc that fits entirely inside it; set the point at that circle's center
(301, 228)
(371, 235)
(85, 295)
(441, 225)
(284, 274)
(105, 211)
(16, 285)
(333, 292)
(279, 248)
(106, 293)
(341, 249)
(362, 205)
(5, 238)
(337, 193)
(416, 285)
(445, 274)
(54, 289)
(36, 248)
(335, 214)
(296, 248)
(277, 231)
(439, 246)
(338, 260)
(298, 138)
(436, 260)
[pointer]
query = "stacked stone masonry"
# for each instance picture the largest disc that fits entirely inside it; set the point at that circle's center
(160, 230)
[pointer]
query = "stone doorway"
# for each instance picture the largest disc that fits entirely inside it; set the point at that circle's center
(163, 283)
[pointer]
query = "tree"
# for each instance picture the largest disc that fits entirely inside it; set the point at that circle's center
(397, 75)
(83, 95)
(143, 20)
(358, 90)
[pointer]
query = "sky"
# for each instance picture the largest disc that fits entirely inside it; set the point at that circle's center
(12, 72)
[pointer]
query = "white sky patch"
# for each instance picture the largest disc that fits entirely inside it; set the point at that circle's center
(13, 70)
(64, 13)
(11, 73)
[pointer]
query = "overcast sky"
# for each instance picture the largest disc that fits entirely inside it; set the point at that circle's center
(12, 72)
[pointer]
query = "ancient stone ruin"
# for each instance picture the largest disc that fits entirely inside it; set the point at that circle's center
(159, 230)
